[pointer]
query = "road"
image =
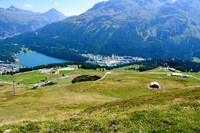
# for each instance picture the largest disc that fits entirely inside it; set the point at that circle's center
(105, 76)
(193, 77)
(2, 82)
(155, 70)
(44, 83)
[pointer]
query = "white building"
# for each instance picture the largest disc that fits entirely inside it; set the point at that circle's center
(180, 74)
(66, 69)
(45, 70)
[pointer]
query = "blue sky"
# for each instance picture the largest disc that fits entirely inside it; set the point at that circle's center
(68, 7)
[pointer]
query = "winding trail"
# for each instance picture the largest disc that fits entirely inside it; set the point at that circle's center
(104, 76)
(156, 70)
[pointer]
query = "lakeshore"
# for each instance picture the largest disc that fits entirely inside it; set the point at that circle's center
(36, 59)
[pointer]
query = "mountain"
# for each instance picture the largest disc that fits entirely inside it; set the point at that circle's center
(145, 28)
(14, 21)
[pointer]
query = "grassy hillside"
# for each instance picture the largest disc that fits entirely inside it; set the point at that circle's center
(121, 102)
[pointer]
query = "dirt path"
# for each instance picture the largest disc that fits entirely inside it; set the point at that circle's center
(2, 82)
(105, 75)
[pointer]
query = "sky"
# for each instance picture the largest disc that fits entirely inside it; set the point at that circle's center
(67, 7)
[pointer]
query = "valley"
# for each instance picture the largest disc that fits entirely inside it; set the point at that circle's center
(138, 29)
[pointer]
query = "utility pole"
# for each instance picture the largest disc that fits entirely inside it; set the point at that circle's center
(14, 87)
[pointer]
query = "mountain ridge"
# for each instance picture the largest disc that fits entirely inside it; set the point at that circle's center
(14, 20)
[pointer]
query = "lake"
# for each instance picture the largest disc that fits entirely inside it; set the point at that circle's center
(36, 59)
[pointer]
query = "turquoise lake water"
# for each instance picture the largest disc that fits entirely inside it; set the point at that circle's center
(36, 59)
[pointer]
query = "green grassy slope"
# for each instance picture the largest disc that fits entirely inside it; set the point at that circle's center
(121, 102)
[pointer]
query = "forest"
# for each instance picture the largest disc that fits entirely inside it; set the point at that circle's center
(84, 78)
(182, 65)
(7, 52)
(47, 46)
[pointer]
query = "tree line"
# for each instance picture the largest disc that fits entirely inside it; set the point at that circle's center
(179, 64)
(182, 65)
(81, 65)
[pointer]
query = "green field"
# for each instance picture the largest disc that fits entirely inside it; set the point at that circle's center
(195, 59)
(126, 67)
(25, 50)
(121, 102)
(28, 77)
(65, 71)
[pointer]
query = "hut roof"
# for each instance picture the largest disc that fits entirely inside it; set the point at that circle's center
(154, 83)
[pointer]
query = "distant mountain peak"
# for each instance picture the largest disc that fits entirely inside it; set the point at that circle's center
(14, 20)
(12, 8)
(53, 12)
(53, 9)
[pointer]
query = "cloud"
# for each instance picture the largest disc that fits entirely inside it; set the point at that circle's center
(26, 5)
(55, 3)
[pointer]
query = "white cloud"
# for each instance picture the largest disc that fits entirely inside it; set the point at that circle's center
(55, 3)
(26, 5)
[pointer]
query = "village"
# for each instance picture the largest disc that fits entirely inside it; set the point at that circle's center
(111, 61)
(7, 68)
